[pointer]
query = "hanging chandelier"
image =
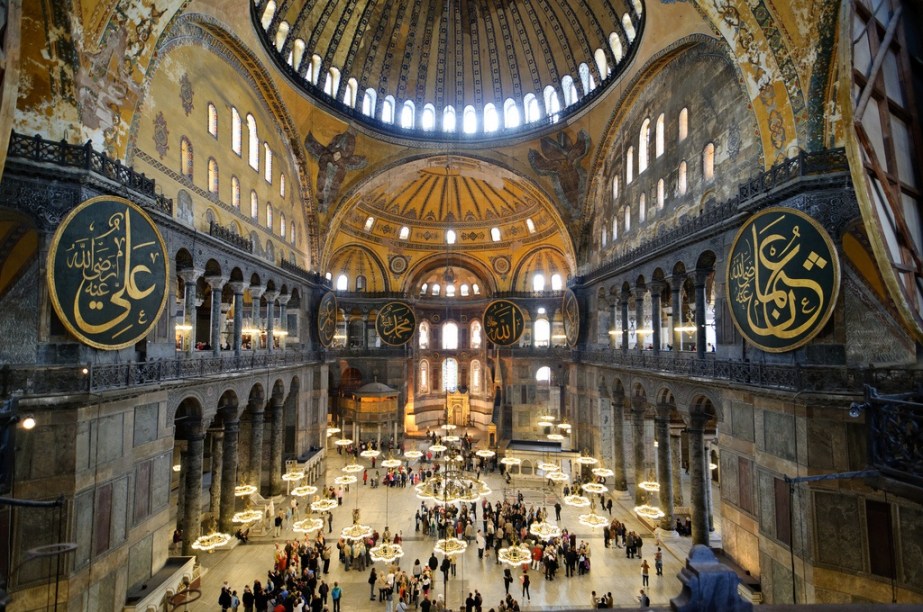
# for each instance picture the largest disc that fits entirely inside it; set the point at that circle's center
(450, 547)
(651, 486)
(485, 453)
(293, 476)
(387, 552)
(343, 442)
(602, 472)
(352, 468)
(585, 459)
(448, 426)
(304, 491)
(413, 454)
(511, 461)
(247, 516)
(555, 437)
(369, 453)
(515, 555)
(209, 542)
(545, 530)
(548, 466)
(649, 512)
(244, 490)
(307, 525)
(345, 480)
(333, 430)
(438, 448)
(558, 476)
(577, 501)
(595, 487)
(324, 505)
(391, 463)
(356, 531)
(593, 520)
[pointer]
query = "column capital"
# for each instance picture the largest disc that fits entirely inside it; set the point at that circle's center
(256, 292)
(271, 295)
(624, 296)
(283, 299)
(190, 275)
(216, 281)
(677, 280)
(638, 403)
(231, 427)
(697, 421)
(701, 276)
(237, 287)
(276, 401)
(257, 405)
(656, 286)
(663, 411)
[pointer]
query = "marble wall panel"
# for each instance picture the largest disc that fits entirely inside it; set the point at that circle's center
(160, 481)
(839, 531)
(767, 502)
(742, 421)
(821, 444)
(910, 545)
(139, 560)
(108, 441)
(118, 527)
(779, 435)
(145, 424)
(729, 473)
(83, 527)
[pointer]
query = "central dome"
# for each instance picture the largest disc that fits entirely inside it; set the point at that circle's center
(460, 68)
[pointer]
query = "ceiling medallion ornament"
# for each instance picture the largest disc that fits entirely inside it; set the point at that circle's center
(571, 310)
(327, 319)
(395, 323)
(783, 276)
(398, 264)
(501, 265)
(503, 322)
(107, 272)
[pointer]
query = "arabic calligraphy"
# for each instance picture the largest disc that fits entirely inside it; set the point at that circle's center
(395, 323)
(783, 279)
(503, 322)
(571, 310)
(108, 271)
(327, 319)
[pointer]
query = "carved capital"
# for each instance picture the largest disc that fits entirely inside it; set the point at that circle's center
(190, 275)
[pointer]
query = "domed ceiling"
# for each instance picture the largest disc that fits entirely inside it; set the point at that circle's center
(404, 66)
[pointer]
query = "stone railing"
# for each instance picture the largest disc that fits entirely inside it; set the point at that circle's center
(229, 237)
(307, 275)
(61, 153)
(895, 431)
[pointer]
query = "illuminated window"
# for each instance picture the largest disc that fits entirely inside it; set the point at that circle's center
(602, 64)
(369, 223)
(450, 290)
(491, 119)
(213, 175)
(530, 225)
(235, 130)
(314, 69)
(629, 27)
(615, 228)
(586, 79)
(185, 157)
(450, 236)
(469, 120)
(449, 336)
(424, 377)
(428, 119)
(511, 118)
(297, 54)
(708, 162)
(436, 289)
(495, 234)
(408, 115)
(368, 102)
(643, 139)
(605, 237)
(448, 119)
(387, 110)
(538, 282)
(475, 376)
(282, 224)
(424, 332)
(627, 219)
(342, 282)
(615, 188)
(254, 206)
(642, 209)
(615, 44)
(267, 163)
(683, 124)
(235, 192)
(464, 290)
(660, 195)
(423, 288)
(569, 90)
(281, 35)
(658, 137)
(268, 13)
(629, 165)
(542, 332)
(681, 181)
(543, 374)
(556, 283)
(405, 233)
(292, 234)
(351, 92)
(253, 144)
(212, 120)
(360, 283)
(530, 106)
(552, 103)
(269, 216)
(449, 375)
(281, 185)
(332, 84)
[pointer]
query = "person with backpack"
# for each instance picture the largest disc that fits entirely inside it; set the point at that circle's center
(336, 595)
(224, 599)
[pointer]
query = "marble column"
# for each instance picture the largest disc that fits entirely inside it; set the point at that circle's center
(676, 320)
(229, 476)
(639, 316)
(708, 488)
(656, 287)
(192, 517)
(700, 277)
(238, 288)
(624, 305)
(181, 489)
(618, 438)
(638, 406)
(214, 491)
(676, 456)
(256, 292)
(613, 317)
(190, 276)
(216, 283)
(275, 445)
(697, 476)
(283, 322)
(257, 416)
(665, 465)
(270, 297)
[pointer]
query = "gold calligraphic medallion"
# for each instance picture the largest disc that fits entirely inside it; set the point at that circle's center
(395, 323)
(783, 278)
(327, 319)
(571, 310)
(503, 322)
(107, 272)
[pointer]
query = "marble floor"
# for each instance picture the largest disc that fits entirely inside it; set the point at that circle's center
(610, 569)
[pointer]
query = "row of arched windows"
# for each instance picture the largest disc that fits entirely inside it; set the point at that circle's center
(450, 376)
(644, 138)
(450, 235)
(253, 143)
(511, 116)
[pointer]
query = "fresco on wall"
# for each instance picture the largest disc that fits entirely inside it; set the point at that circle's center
(560, 158)
(333, 162)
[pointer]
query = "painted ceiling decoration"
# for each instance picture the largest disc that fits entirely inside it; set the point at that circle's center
(518, 65)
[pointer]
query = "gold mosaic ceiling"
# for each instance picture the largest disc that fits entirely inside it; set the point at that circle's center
(487, 52)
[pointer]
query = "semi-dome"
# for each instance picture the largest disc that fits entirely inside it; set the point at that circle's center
(489, 69)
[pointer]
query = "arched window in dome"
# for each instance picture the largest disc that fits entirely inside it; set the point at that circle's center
(267, 163)
(450, 236)
(469, 120)
(629, 28)
(681, 180)
(268, 13)
(387, 110)
(449, 336)
(605, 238)
(405, 233)
(538, 282)
(281, 185)
(351, 92)
(448, 119)
(212, 120)
(423, 385)
(464, 290)
(269, 217)
(569, 90)
(615, 44)
(475, 289)
(297, 54)
(436, 289)
(408, 115)
(292, 234)
(530, 108)
(556, 283)
(235, 192)
(511, 118)
(615, 187)
(530, 225)
(314, 69)
(658, 137)
(360, 283)
(627, 219)
(629, 165)
(552, 103)
(475, 332)
(235, 130)
(543, 374)
(643, 139)
(495, 234)
(254, 206)
(642, 209)
(212, 175)
(708, 162)
(369, 223)
(342, 282)
(281, 35)
(450, 290)
(428, 118)
(253, 143)
(660, 194)
(423, 288)
(369, 99)
(282, 224)
(423, 337)
(449, 375)
(185, 157)
(586, 79)
(615, 228)
(491, 119)
(475, 384)
(683, 124)
(542, 332)
(602, 64)
(332, 84)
